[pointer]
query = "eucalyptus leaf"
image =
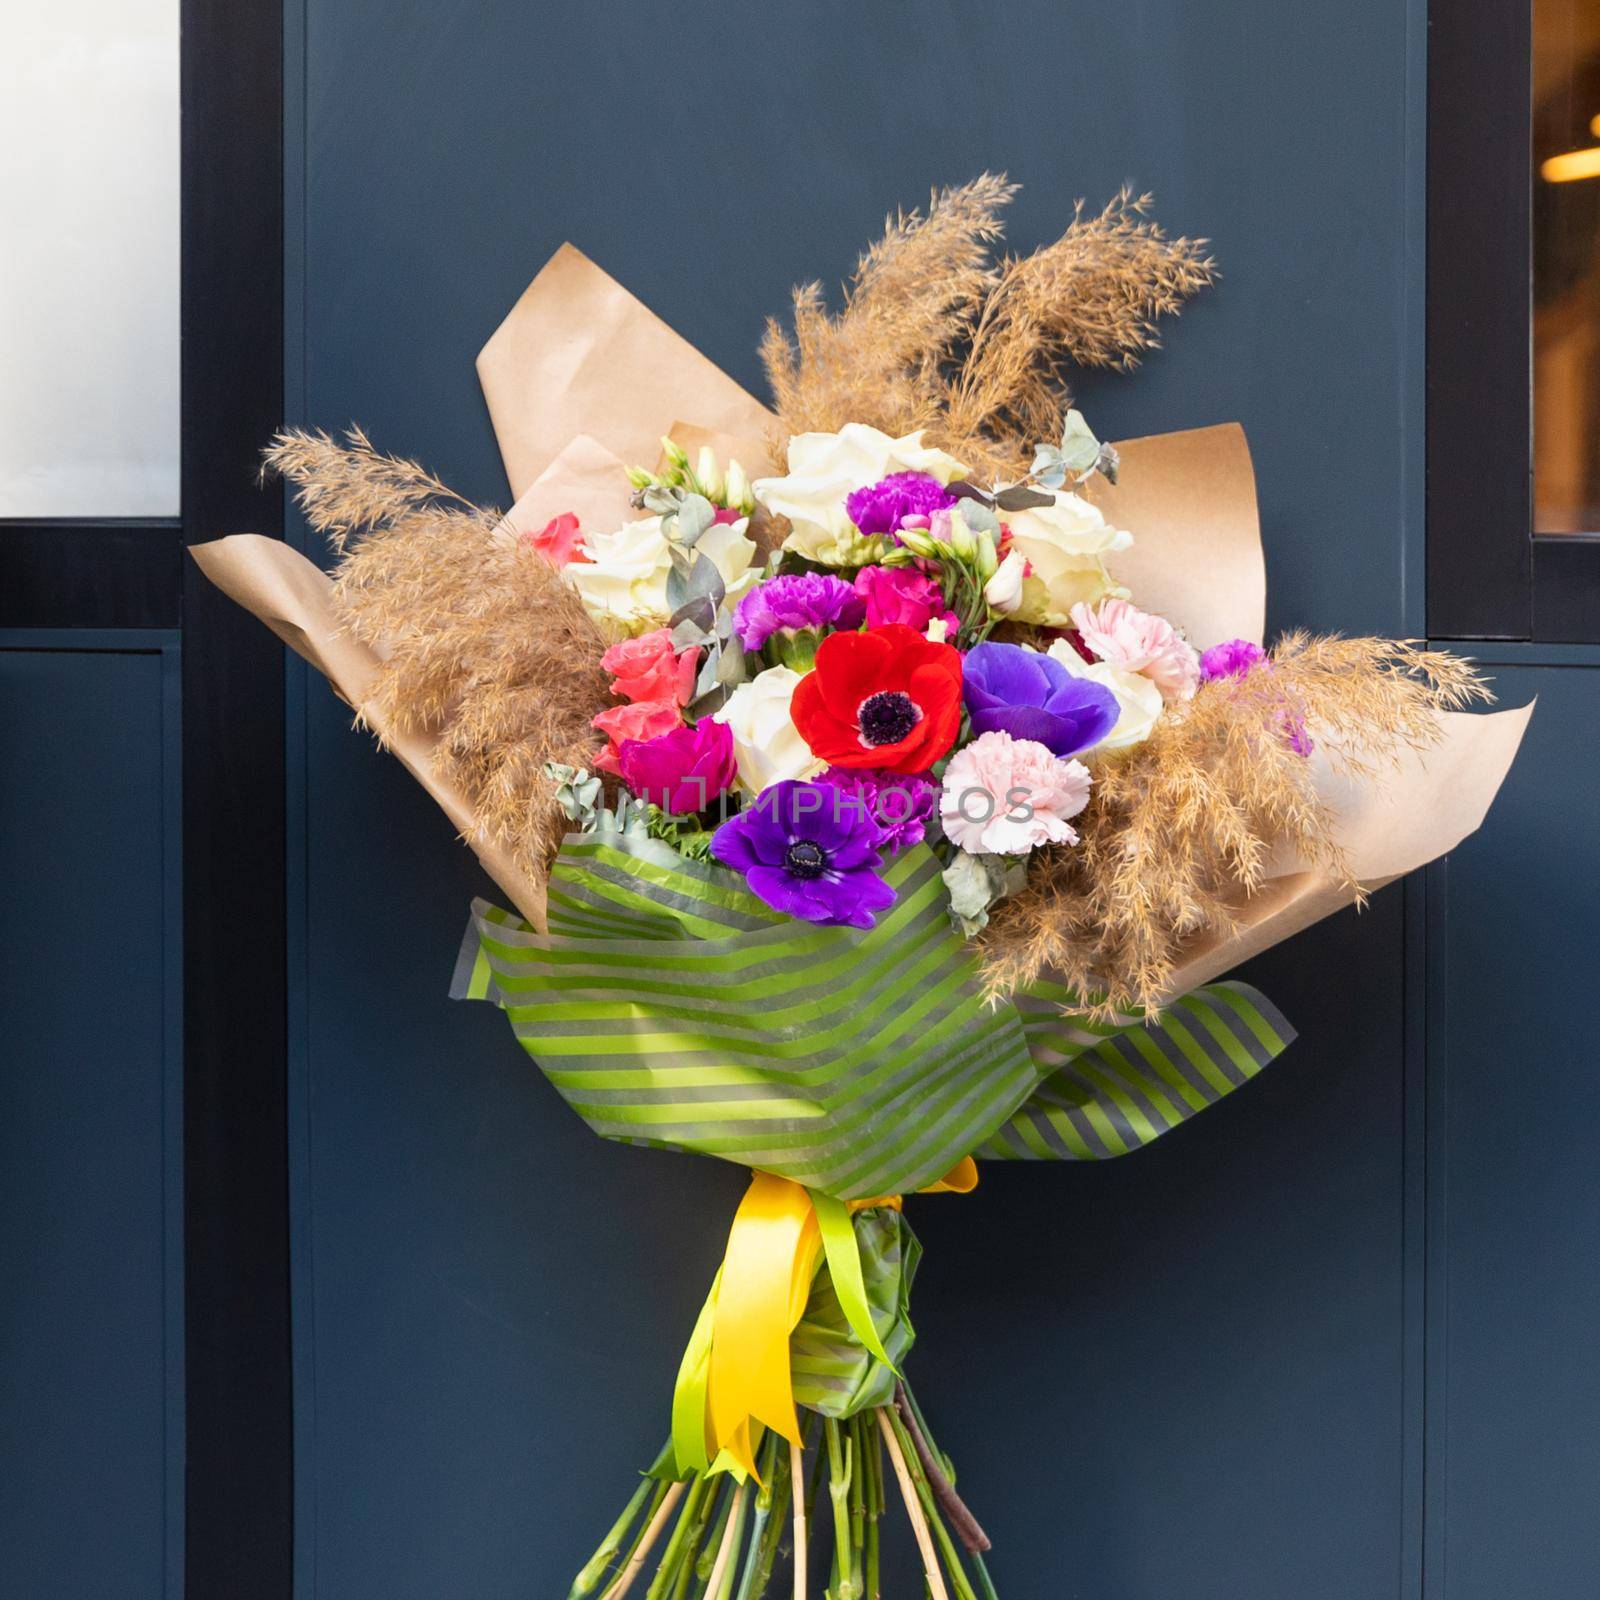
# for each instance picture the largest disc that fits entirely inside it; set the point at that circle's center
(660, 498)
(687, 633)
(695, 580)
(1021, 498)
(1048, 467)
(1080, 450)
(577, 792)
(701, 613)
(695, 515)
(732, 668)
(975, 882)
(963, 489)
(709, 703)
(980, 518)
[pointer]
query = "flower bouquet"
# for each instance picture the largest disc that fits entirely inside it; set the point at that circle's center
(896, 805)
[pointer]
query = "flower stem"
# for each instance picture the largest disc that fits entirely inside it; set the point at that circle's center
(797, 1478)
(611, 1545)
(646, 1542)
(935, 1466)
(776, 1474)
(667, 1572)
(711, 1546)
(841, 1474)
(722, 1568)
(908, 1493)
(687, 1564)
(930, 1508)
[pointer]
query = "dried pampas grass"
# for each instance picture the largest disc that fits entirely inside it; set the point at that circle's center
(485, 647)
(938, 334)
(1179, 830)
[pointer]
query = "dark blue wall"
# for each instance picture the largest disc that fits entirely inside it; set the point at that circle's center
(1199, 1371)
(91, 1421)
(1514, 1115)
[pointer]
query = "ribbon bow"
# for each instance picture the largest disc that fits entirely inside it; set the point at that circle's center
(734, 1379)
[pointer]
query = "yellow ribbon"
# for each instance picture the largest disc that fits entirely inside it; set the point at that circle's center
(735, 1377)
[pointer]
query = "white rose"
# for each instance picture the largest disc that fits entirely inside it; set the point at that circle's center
(1137, 696)
(1066, 545)
(1004, 590)
(733, 555)
(623, 584)
(767, 746)
(825, 467)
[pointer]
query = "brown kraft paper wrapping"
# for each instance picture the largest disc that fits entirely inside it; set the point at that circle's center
(582, 379)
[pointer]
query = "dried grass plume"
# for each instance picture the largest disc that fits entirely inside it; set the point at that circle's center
(485, 647)
(939, 333)
(1179, 830)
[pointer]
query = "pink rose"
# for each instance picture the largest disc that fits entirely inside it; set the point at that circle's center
(1136, 641)
(559, 541)
(643, 719)
(682, 771)
(1003, 796)
(647, 668)
(902, 594)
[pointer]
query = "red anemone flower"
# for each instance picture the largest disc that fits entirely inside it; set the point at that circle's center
(887, 698)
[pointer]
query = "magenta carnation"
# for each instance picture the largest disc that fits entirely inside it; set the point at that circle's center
(883, 507)
(902, 594)
(793, 603)
(682, 771)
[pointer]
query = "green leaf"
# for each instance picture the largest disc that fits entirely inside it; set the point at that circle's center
(732, 669)
(981, 518)
(695, 515)
(701, 581)
(1021, 498)
(975, 882)
(1080, 450)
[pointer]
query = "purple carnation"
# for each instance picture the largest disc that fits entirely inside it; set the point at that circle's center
(1032, 696)
(1230, 660)
(900, 803)
(810, 852)
(790, 604)
(883, 507)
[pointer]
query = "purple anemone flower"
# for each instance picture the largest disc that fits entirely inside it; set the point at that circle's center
(1230, 660)
(1031, 696)
(900, 802)
(809, 850)
(883, 507)
(796, 602)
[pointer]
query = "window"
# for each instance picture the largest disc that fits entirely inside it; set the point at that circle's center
(89, 183)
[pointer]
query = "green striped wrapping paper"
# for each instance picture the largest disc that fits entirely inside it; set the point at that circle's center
(671, 1007)
(832, 1371)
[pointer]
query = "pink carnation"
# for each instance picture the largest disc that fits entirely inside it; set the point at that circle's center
(682, 771)
(559, 541)
(643, 719)
(1004, 796)
(1136, 641)
(647, 668)
(902, 594)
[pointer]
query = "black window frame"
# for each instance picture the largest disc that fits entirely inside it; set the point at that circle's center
(81, 578)
(1489, 575)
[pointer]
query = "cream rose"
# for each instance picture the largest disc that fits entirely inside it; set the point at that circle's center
(1066, 545)
(767, 746)
(1139, 698)
(623, 583)
(824, 468)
